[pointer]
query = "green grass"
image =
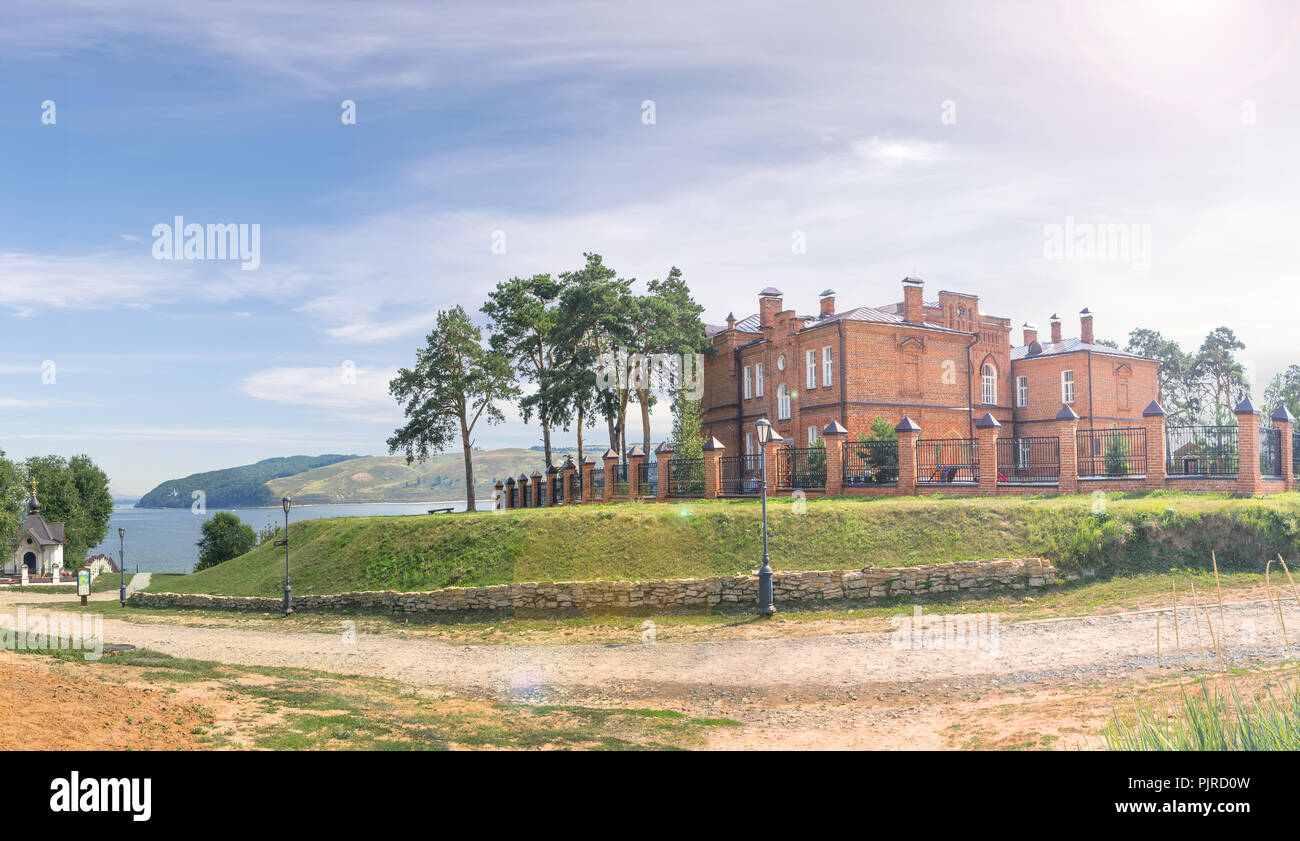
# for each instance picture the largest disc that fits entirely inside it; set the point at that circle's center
(632, 541)
(1210, 720)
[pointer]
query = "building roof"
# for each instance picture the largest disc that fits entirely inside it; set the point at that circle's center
(876, 315)
(1075, 345)
(45, 534)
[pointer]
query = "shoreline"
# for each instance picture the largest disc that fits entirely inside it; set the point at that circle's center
(295, 505)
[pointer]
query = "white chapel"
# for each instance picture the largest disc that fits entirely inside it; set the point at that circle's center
(40, 543)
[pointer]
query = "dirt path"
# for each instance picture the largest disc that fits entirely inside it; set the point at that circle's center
(11, 596)
(800, 667)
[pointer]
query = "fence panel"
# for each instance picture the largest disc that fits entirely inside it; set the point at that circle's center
(1201, 450)
(870, 462)
(648, 478)
(620, 479)
(1034, 461)
(801, 467)
(741, 475)
(597, 483)
(943, 461)
(1118, 451)
(1270, 451)
(1295, 453)
(557, 488)
(687, 477)
(575, 486)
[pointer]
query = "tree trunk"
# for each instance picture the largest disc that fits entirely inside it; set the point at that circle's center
(546, 437)
(469, 471)
(581, 419)
(643, 397)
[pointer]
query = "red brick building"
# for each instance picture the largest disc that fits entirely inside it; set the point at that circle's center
(943, 363)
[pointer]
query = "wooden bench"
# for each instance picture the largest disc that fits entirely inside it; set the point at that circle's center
(446, 510)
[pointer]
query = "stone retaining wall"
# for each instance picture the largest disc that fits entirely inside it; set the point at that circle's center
(872, 582)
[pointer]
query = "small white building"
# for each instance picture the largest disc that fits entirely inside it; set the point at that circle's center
(40, 544)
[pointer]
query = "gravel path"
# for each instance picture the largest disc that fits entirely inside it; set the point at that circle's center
(8, 596)
(805, 666)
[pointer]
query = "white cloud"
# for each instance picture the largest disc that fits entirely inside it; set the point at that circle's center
(345, 391)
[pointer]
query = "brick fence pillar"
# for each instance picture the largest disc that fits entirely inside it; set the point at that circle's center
(611, 465)
(1284, 421)
(987, 429)
(772, 454)
(510, 492)
(664, 460)
(538, 499)
(525, 492)
(569, 469)
(835, 435)
(588, 467)
(635, 458)
(498, 495)
(908, 432)
(1153, 421)
(1067, 433)
(713, 451)
(1249, 480)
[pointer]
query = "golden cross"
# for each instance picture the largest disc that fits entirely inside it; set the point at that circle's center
(33, 486)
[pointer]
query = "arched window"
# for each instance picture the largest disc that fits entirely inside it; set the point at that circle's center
(989, 391)
(783, 402)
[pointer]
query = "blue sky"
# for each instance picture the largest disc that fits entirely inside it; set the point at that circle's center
(835, 120)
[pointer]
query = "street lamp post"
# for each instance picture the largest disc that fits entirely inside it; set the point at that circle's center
(765, 606)
(288, 604)
(121, 564)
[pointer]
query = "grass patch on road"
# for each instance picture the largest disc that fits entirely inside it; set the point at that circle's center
(633, 541)
(301, 709)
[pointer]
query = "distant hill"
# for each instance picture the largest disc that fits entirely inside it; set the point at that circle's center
(343, 479)
(234, 487)
(391, 479)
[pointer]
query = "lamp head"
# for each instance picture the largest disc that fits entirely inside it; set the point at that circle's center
(121, 532)
(764, 428)
(287, 503)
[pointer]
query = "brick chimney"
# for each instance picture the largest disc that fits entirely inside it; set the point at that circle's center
(1031, 333)
(769, 304)
(1056, 329)
(828, 303)
(1085, 325)
(913, 308)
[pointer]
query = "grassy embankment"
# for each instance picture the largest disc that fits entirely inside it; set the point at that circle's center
(700, 538)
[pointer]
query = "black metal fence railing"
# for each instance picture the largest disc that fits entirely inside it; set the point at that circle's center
(1295, 453)
(575, 485)
(801, 468)
(870, 462)
(1270, 451)
(620, 479)
(1118, 451)
(687, 477)
(512, 496)
(947, 460)
(648, 478)
(1201, 450)
(557, 489)
(598, 483)
(1032, 461)
(741, 475)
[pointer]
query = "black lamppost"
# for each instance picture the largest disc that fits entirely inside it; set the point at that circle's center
(765, 606)
(121, 564)
(288, 605)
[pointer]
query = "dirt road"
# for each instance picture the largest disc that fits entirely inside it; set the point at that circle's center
(804, 667)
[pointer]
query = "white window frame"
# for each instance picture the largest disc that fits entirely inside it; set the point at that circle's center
(783, 402)
(810, 358)
(749, 443)
(1022, 392)
(989, 385)
(1067, 387)
(827, 367)
(812, 436)
(748, 386)
(758, 379)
